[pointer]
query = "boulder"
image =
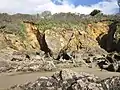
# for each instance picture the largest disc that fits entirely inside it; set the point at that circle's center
(69, 80)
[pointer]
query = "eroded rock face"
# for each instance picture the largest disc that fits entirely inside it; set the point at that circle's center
(69, 39)
(100, 28)
(69, 80)
(12, 41)
(30, 28)
(108, 41)
(74, 40)
(36, 38)
(58, 38)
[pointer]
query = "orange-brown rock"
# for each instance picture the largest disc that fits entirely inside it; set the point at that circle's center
(97, 29)
(36, 38)
(59, 38)
(30, 29)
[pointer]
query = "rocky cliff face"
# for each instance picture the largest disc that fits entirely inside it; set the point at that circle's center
(30, 29)
(75, 39)
(61, 38)
(57, 38)
(108, 41)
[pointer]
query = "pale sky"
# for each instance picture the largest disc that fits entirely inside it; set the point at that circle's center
(56, 6)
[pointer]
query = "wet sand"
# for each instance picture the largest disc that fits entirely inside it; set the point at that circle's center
(9, 79)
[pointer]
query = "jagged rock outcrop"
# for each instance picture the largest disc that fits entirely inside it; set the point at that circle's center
(111, 62)
(21, 61)
(36, 38)
(70, 40)
(14, 42)
(31, 38)
(108, 40)
(57, 38)
(69, 80)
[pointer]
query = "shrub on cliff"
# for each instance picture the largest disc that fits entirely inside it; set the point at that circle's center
(95, 12)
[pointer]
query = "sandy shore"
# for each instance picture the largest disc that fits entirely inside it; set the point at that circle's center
(9, 79)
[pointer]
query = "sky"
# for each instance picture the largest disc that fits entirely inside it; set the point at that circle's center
(56, 6)
(78, 2)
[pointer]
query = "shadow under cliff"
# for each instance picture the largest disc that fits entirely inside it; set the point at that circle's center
(108, 41)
